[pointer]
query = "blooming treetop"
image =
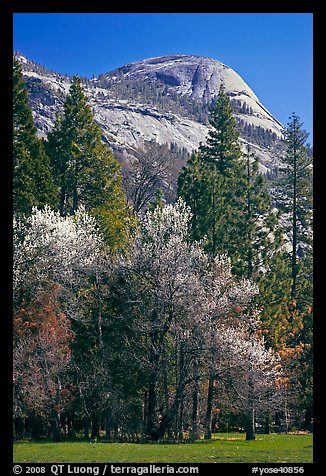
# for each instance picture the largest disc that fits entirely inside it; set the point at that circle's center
(49, 246)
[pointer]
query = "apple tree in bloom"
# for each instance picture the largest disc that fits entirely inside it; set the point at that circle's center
(249, 373)
(179, 296)
(49, 247)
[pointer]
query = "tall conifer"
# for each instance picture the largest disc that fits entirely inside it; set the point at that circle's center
(193, 187)
(295, 197)
(210, 182)
(260, 236)
(32, 179)
(85, 170)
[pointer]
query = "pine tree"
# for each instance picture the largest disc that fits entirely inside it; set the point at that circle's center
(32, 179)
(222, 144)
(71, 147)
(222, 156)
(295, 198)
(193, 187)
(259, 231)
(85, 170)
(210, 182)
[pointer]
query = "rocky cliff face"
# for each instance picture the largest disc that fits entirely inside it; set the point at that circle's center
(165, 99)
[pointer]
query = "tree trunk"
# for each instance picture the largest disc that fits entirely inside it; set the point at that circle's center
(250, 425)
(294, 230)
(108, 424)
(55, 426)
(35, 427)
(87, 425)
(286, 416)
(71, 426)
(63, 211)
(151, 407)
(194, 415)
(95, 427)
(249, 218)
(208, 419)
(214, 220)
(156, 347)
(250, 417)
(173, 412)
(75, 192)
(165, 389)
(267, 425)
(278, 421)
(308, 418)
(145, 412)
(99, 322)
(169, 417)
(180, 420)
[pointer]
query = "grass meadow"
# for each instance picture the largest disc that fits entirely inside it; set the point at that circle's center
(223, 448)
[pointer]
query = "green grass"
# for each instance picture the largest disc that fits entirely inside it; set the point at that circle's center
(224, 448)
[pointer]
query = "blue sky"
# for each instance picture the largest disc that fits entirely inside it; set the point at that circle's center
(272, 52)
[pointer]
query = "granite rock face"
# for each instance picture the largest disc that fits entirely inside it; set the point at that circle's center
(127, 121)
(188, 75)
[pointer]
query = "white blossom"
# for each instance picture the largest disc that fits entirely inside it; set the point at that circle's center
(48, 246)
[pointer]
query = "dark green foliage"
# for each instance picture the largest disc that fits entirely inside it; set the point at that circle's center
(210, 182)
(295, 199)
(32, 178)
(259, 230)
(74, 146)
(277, 325)
(193, 182)
(222, 157)
(233, 213)
(86, 172)
(222, 145)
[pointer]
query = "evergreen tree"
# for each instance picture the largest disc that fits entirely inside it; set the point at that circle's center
(193, 187)
(222, 156)
(295, 198)
(259, 231)
(264, 258)
(274, 285)
(210, 182)
(222, 144)
(32, 179)
(85, 170)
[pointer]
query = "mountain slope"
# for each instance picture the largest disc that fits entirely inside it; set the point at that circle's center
(165, 99)
(200, 79)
